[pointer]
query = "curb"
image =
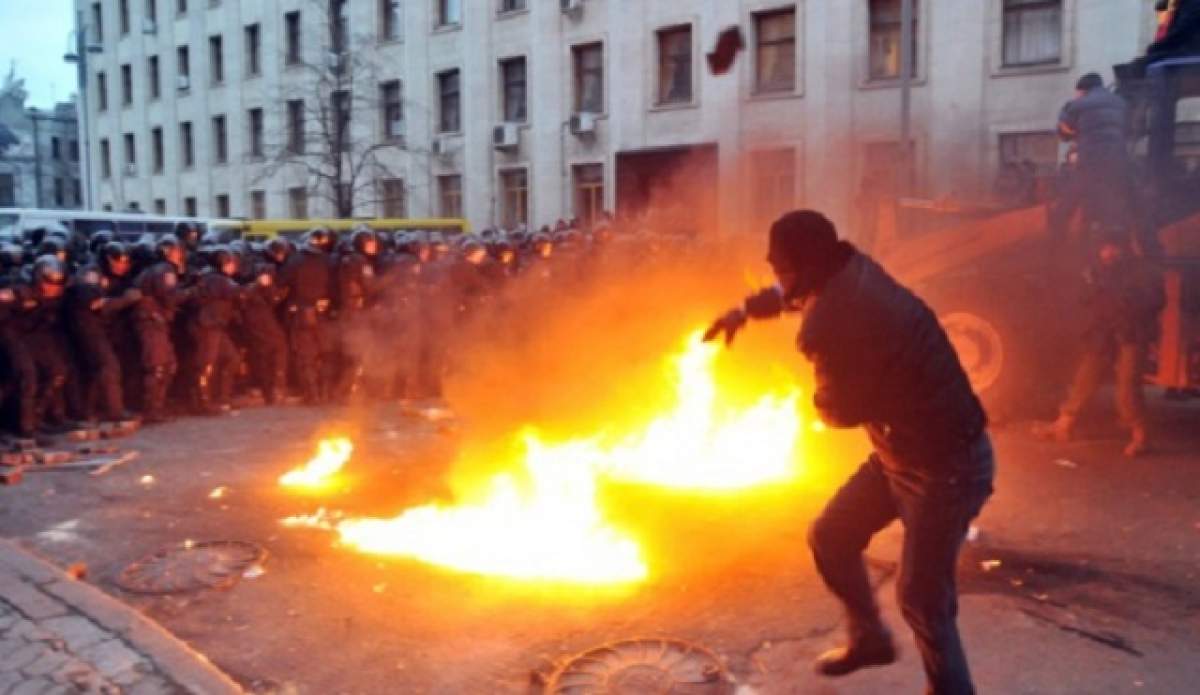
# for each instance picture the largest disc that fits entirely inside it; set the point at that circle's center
(188, 668)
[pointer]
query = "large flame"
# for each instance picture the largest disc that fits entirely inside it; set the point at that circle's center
(543, 521)
(320, 470)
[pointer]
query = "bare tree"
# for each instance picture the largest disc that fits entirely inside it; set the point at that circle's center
(332, 114)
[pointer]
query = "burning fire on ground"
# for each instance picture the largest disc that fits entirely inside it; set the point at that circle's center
(542, 519)
(321, 470)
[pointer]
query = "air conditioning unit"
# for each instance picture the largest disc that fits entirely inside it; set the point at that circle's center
(130, 169)
(583, 123)
(506, 136)
(182, 82)
(571, 7)
(149, 26)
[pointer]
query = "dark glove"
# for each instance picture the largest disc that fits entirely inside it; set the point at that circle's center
(765, 304)
(729, 324)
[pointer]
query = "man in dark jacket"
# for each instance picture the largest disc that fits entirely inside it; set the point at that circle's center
(1095, 120)
(883, 362)
(307, 276)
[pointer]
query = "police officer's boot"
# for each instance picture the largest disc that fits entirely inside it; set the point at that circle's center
(27, 417)
(154, 396)
(870, 645)
(204, 404)
(1137, 442)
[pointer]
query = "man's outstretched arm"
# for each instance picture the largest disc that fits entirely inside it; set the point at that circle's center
(764, 304)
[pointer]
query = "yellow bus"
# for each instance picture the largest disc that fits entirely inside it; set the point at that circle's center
(264, 230)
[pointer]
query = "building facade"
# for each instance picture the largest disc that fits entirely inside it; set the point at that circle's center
(508, 111)
(39, 152)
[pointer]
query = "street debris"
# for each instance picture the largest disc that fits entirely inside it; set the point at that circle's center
(193, 566)
(218, 492)
(77, 570)
(1066, 463)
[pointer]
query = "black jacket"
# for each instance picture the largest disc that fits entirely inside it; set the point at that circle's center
(883, 361)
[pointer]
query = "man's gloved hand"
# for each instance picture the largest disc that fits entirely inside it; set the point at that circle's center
(729, 324)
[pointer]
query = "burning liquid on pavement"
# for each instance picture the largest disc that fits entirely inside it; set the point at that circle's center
(321, 469)
(543, 520)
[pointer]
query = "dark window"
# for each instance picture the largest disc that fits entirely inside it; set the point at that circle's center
(216, 60)
(77, 191)
(339, 25)
(123, 15)
(514, 186)
(152, 11)
(220, 135)
(101, 91)
(775, 60)
(8, 190)
(160, 206)
(391, 20)
(449, 12)
(153, 77)
(589, 77)
(181, 7)
(73, 149)
(105, 159)
(253, 50)
(130, 150)
(295, 126)
(97, 22)
(392, 101)
(291, 22)
(127, 84)
(183, 67)
(449, 102)
(187, 144)
(255, 119)
(341, 120)
(222, 205)
(1032, 32)
(513, 84)
(589, 192)
(55, 148)
(885, 26)
(60, 192)
(512, 5)
(298, 203)
(189, 206)
(258, 205)
(156, 142)
(675, 65)
(392, 198)
(450, 196)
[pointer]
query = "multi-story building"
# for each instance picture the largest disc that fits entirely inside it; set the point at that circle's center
(530, 110)
(39, 152)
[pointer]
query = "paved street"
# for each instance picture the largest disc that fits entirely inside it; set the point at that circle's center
(1083, 578)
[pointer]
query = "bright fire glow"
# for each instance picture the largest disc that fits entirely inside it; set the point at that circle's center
(331, 456)
(543, 521)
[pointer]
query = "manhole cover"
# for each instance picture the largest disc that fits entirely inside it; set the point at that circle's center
(643, 667)
(191, 566)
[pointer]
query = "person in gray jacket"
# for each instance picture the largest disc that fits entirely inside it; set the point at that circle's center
(882, 362)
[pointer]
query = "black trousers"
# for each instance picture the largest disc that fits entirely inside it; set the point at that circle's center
(936, 515)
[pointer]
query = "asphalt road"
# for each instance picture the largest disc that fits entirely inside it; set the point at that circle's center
(1083, 578)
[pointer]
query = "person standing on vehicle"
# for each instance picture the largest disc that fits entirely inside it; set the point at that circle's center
(1124, 298)
(882, 362)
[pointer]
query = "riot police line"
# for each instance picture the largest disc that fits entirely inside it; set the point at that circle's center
(93, 330)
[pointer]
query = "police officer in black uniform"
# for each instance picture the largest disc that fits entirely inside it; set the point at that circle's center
(42, 358)
(308, 279)
(153, 317)
(215, 299)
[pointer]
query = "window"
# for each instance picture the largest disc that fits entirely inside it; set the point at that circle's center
(774, 182)
(101, 91)
(253, 50)
(512, 97)
(216, 60)
(341, 120)
(588, 63)
(1032, 32)
(123, 15)
(189, 206)
(391, 98)
(291, 22)
(589, 192)
(156, 144)
(105, 159)
(258, 205)
(127, 84)
(339, 25)
(449, 103)
(180, 7)
(450, 196)
(512, 5)
(73, 150)
(392, 203)
(153, 77)
(8, 190)
(391, 20)
(675, 65)
(152, 10)
(130, 150)
(1039, 148)
(187, 144)
(885, 39)
(298, 203)
(220, 137)
(221, 204)
(60, 192)
(775, 56)
(183, 66)
(55, 148)
(295, 126)
(449, 12)
(255, 120)
(98, 22)
(514, 187)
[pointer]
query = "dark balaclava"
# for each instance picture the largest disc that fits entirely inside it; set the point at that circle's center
(804, 242)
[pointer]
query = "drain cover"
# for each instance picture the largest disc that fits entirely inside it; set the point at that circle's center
(191, 566)
(643, 667)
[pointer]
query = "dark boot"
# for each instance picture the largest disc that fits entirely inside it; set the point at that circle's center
(204, 389)
(154, 397)
(869, 646)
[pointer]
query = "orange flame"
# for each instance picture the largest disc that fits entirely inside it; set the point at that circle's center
(544, 521)
(319, 472)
